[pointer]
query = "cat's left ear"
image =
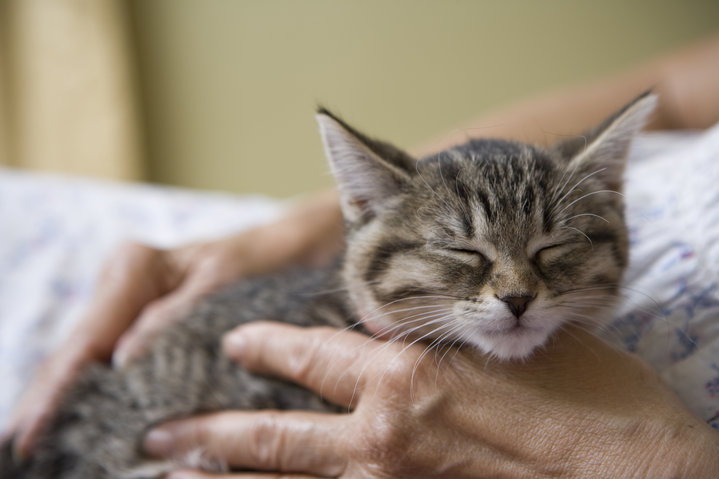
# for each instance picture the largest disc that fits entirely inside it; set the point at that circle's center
(368, 172)
(602, 151)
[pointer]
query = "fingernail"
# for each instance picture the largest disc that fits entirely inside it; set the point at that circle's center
(158, 442)
(234, 345)
(120, 355)
(118, 360)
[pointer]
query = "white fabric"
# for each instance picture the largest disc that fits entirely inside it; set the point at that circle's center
(55, 232)
(670, 316)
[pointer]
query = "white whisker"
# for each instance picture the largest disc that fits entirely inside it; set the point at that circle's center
(580, 232)
(592, 193)
(567, 220)
(561, 200)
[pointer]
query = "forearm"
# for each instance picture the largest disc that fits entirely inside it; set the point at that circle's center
(694, 452)
(310, 232)
(689, 449)
(316, 226)
(656, 438)
(685, 81)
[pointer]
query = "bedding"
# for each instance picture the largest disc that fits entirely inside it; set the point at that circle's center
(56, 231)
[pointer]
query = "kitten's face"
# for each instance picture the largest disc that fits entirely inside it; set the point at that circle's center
(492, 244)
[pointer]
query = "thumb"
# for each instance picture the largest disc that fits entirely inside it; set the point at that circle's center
(195, 277)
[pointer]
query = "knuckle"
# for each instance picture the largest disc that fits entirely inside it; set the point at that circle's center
(398, 372)
(267, 437)
(384, 442)
(129, 250)
(306, 356)
(149, 315)
(200, 432)
(130, 256)
(156, 315)
(407, 373)
(301, 365)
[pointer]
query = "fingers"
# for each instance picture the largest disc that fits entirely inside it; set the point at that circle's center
(296, 442)
(330, 362)
(193, 271)
(28, 430)
(134, 277)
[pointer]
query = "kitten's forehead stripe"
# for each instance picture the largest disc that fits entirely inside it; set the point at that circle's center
(528, 201)
(467, 223)
(490, 184)
(484, 202)
(447, 231)
(547, 219)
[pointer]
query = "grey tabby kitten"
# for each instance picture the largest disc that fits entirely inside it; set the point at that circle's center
(491, 244)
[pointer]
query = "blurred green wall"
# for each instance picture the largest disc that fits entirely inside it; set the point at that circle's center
(229, 87)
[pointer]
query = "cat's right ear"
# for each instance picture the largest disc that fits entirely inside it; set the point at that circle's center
(603, 150)
(365, 180)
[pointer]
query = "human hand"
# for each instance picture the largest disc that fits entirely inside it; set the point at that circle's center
(143, 289)
(578, 408)
(310, 234)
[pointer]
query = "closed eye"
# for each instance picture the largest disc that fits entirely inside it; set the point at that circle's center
(551, 253)
(546, 248)
(467, 254)
(465, 251)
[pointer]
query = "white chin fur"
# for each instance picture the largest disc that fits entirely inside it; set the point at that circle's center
(517, 344)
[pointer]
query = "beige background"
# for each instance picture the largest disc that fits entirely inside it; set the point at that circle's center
(68, 97)
(220, 94)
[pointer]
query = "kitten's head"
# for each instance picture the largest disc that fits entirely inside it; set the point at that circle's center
(493, 243)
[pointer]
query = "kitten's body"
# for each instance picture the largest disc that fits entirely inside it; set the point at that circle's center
(492, 244)
(97, 432)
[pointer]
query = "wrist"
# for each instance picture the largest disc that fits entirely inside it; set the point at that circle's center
(688, 448)
(311, 232)
(308, 233)
(75, 352)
